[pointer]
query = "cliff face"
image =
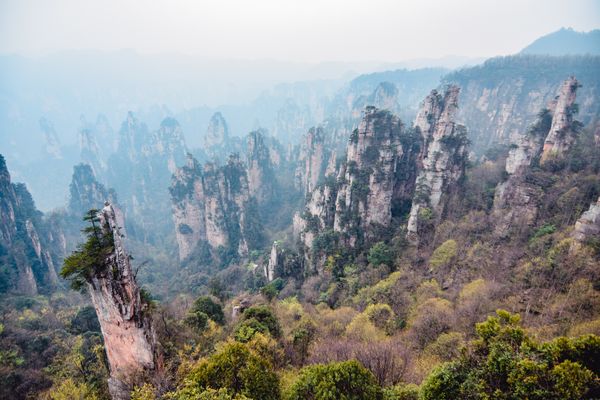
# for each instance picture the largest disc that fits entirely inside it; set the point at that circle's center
(442, 158)
(28, 257)
(588, 225)
(126, 326)
(563, 130)
(85, 192)
(313, 161)
(516, 200)
(214, 205)
(217, 133)
(500, 98)
(261, 178)
(365, 196)
(141, 171)
(377, 175)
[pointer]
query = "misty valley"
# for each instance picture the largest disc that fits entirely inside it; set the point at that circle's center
(398, 234)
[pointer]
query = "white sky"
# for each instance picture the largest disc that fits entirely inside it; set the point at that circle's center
(292, 30)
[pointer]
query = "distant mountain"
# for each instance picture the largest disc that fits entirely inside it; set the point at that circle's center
(566, 42)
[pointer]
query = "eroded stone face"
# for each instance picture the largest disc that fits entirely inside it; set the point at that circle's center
(210, 205)
(588, 225)
(561, 135)
(126, 326)
(442, 158)
(550, 137)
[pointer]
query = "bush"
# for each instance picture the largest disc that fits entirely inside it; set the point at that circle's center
(345, 381)
(212, 309)
(444, 254)
(236, 369)
(379, 254)
(257, 319)
(505, 363)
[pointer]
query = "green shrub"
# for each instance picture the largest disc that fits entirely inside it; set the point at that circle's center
(236, 369)
(347, 380)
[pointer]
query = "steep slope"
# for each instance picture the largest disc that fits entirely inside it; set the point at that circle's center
(442, 159)
(543, 145)
(213, 206)
(27, 256)
(501, 98)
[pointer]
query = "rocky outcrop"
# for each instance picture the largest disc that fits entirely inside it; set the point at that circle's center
(27, 254)
(588, 225)
(90, 150)
(213, 205)
(272, 265)
(51, 143)
(357, 205)
(141, 171)
(125, 321)
(516, 201)
(500, 98)
(217, 133)
(313, 161)
(564, 129)
(364, 198)
(85, 192)
(442, 158)
(261, 178)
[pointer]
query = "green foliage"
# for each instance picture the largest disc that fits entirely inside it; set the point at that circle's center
(401, 392)
(347, 380)
(257, 319)
(380, 253)
(239, 371)
(90, 258)
(546, 229)
(505, 364)
(208, 306)
(444, 254)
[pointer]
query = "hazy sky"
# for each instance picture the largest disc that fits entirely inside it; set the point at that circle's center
(295, 30)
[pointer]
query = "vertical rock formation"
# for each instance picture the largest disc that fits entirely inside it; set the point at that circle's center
(312, 160)
(217, 133)
(141, 171)
(563, 130)
(27, 258)
(442, 159)
(588, 225)
(85, 192)
(274, 260)
(358, 205)
(125, 322)
(90, 151)
(214, 205)
(261, 178)
(187, 197)
(364, 199)
(51, 144)
(516, 199)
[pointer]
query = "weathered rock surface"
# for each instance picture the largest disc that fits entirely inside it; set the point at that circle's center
(516, 200)
(379, 172)
(588, 225)
(85, 191)
(442, 158)
(562, 132)
(500, 98)
(313, 161)
(261, 177)
(214, 204)
(129, 339)
(141, 171)
(28, 254)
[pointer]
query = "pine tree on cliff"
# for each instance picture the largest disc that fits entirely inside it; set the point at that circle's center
(102, 266)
